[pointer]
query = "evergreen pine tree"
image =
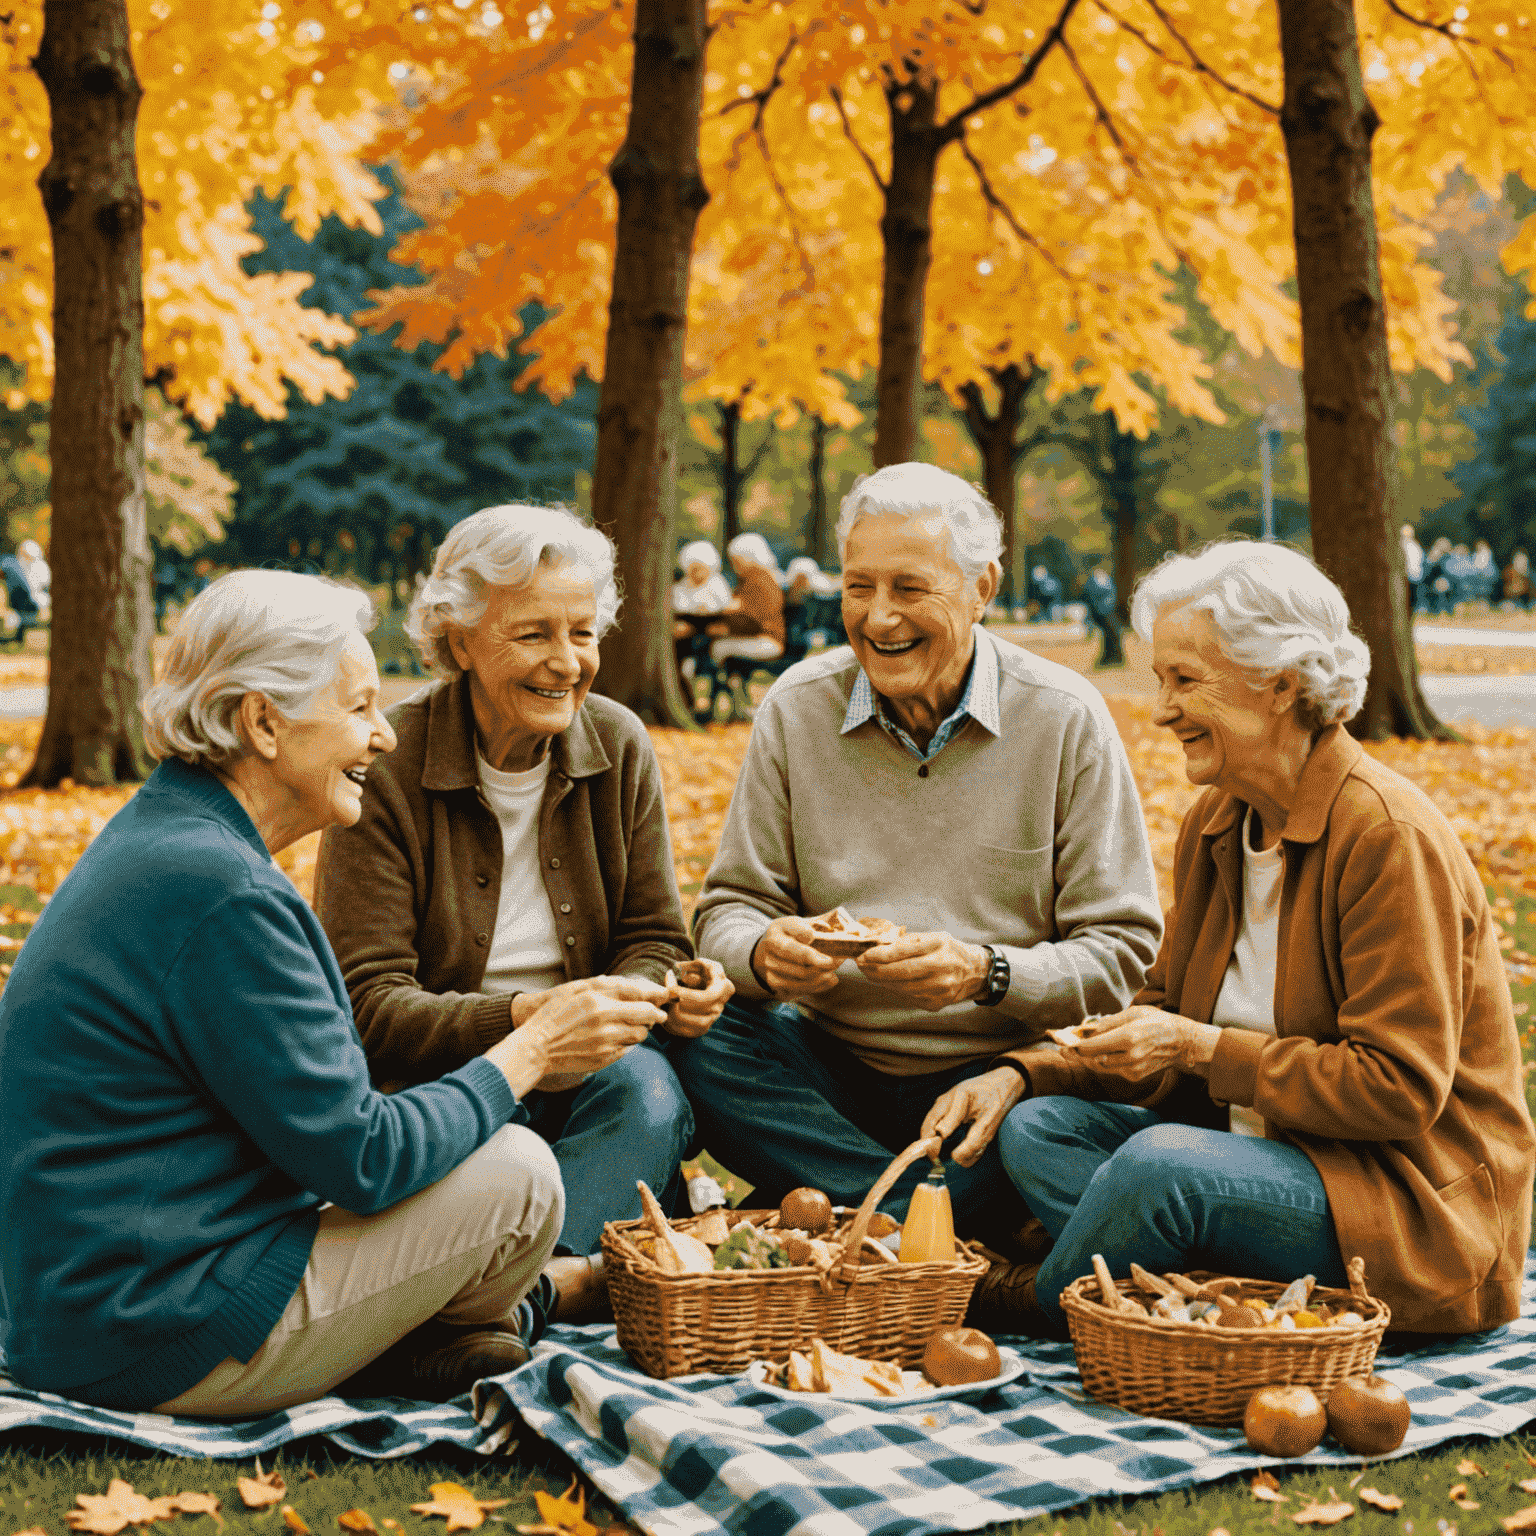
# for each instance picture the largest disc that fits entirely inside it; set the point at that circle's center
(1498, 484)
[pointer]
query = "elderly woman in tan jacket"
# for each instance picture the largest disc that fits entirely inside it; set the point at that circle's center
(1323, 1061)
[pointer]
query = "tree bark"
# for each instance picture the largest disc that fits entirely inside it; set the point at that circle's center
(639, 420)
(997, 440)
(730, 472)
(103, 612)
(1123, 487)
(1328, 123)
(906, 231)
(817, 533)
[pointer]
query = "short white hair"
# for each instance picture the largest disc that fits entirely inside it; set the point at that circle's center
(503, 547)
(924, 490)
(699, 552)
(1274, 611)
(753, 547)
(276, 633)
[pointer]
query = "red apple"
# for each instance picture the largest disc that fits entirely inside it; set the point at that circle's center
(1368, 1415)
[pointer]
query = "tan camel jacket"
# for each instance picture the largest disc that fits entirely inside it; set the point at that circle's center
(1396, 1062)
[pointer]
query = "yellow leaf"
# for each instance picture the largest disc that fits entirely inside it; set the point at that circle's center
(1265, 1486)
(1379, 1500)
(198, 1504)
(356, 1520)
(1527, 1485)
(263, 1489)
(294, 1521)
(108, 1513)
(1521, 1520)
(1468, 1468)
(565, 1513)
(463, 1511)
(1331, 1513)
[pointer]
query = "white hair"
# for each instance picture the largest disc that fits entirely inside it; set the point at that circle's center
(503, 547)
(700, 552)
(276, 633)
(756, 549)
(925, 490)
(1274, 611)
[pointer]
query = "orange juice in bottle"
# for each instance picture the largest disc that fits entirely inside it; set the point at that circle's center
(928, 1234)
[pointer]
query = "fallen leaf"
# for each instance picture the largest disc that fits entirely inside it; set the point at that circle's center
(105, 1514)
(1356, 1478)
(1521, 1520)
(32, 1530)
(294, 1521)
(462, 1509)
(566, 1514)
(356, 1520)
(1467, 1468)
(263, 1489)
(1218, 1530)
(1527, 1485)
(1458, 1497)
(1324, 1514)
(198, 1504)
(1379, 1500)
(1265, 1486)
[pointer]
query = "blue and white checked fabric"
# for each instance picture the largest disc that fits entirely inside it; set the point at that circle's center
(979, 703)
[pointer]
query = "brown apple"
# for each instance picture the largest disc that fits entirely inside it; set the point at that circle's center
(1284, 1421)
(955, 1356)
(1368, 1415)
(807, 1210)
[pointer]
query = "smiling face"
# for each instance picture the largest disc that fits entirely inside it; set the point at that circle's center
(321, 758)
(531, 660)
(908, 609)
(1230, 730)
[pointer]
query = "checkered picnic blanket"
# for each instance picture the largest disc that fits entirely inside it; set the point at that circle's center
(700, 1455)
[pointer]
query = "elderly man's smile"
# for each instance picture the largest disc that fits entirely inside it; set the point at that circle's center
(895, 647)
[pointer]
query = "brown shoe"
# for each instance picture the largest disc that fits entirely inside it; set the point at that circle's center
(438, 1361)
(1028, 1244)
(1004, 1301)
(581, 1286)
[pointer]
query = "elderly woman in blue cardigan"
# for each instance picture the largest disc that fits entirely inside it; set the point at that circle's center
(205, 1207)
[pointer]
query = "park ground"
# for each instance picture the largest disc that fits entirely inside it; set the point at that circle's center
(1484, 784)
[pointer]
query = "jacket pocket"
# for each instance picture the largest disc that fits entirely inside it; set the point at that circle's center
(1014, 892)
(1468, 1203)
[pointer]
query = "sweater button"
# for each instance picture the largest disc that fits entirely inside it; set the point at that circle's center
(554, 863)
(565, 906)
(922, 772)
(482, 879)
(482, 938)
(570, 940)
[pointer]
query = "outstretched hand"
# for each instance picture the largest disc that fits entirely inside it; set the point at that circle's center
(980, 1102)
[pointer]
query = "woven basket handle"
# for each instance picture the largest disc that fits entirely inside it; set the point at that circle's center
(928, 1147)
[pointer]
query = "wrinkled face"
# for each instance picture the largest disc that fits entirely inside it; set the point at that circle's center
(698, 573)
(907, 606)
(1227, 726)
(531, 659)
(323, 757)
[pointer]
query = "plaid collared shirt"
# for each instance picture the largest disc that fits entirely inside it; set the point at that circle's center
(978, 703)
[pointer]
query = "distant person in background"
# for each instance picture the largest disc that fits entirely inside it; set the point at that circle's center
(1102, 600)
(810, 600)
(1413, 566)
(1046, 591)
(752, 625)
(1482, 574)
(1437, 582)
(1458, 574)
(39, 574)
(701, 594)
(19, 597)
(1517, 581)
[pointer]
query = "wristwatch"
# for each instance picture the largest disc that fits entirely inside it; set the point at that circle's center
(998, 978)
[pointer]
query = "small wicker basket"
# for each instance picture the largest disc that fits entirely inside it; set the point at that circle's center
(1206, 1375)
(674, 1325)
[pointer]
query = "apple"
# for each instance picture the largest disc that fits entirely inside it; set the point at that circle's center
(1284, 1421)
(954, 1356)
(807, 1210)
(1368, 1415)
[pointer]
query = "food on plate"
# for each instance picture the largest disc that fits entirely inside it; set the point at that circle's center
(807, 1210)
(676, 1253)
(749, 1248)
(693, 974)
(799, 1374)
(1368, 1415)
(954, 1356)
(824, 1369)
(840, 934)
(1284, 1421)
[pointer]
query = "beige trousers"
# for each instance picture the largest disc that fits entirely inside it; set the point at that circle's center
(466, 1249)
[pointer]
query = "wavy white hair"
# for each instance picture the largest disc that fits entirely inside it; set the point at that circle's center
(1274, 611)
(923, 490)
(275, 633)
(503, 547)
(756, 549)
(699, 552)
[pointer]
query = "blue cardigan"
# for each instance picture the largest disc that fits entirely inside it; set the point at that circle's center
(181, 1087)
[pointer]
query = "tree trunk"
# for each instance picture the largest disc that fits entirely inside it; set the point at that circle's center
(1328, 123)
(1124, 510)
(103, 612)
(730, 472)
(997, 440)
(816, 530)
(639, 419)
(906, 232)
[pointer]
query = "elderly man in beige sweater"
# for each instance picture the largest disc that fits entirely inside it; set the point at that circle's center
(936, 776)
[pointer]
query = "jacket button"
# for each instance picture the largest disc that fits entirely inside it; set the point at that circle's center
(922, 772)
(482, 938)
(570, 940)
(565, 906)
(554, 863)
(482, 879)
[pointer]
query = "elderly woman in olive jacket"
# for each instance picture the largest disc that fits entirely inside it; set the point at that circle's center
(514, 848)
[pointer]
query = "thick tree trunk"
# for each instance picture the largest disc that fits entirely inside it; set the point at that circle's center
(1328, 122)
(103, 613)
(906, 231)
(639, 419)
(730, 472)
(817, 533)
(1124, 511)
(997, 440)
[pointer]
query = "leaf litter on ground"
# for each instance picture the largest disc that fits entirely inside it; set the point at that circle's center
(462, 1510)
(1315, 1513)
(1379, 1500)
(1266, 1486)
(263, 1489)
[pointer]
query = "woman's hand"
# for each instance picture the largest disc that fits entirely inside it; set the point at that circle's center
(622, 989)
(577, 1028)
(695, 1008)
(980, 1102)
(1144, 1041)
(786, 964)
(931, 970)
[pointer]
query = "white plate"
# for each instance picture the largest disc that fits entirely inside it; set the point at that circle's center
(968, 1392)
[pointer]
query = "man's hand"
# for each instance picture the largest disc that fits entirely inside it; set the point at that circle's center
(1143, 1042)
(620, 989)
(929, 969)
(786, 964)
(573, 1031)
(696, 1008)
(980, 1102)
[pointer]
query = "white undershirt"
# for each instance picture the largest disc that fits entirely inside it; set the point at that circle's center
(525, 948)
(1247, 996)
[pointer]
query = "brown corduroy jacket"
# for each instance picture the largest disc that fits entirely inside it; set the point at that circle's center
(1396, 1062)
(408, 895)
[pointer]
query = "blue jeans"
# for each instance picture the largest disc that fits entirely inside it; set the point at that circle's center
(782, 1104)
(630, 1121)
(1112, 1179)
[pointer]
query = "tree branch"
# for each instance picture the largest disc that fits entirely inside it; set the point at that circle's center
(837, 99)
(996, 203)
(1198, 64)
(1100, 110)
(955, 126)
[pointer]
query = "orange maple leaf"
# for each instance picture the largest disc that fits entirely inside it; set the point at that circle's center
(464, 1512)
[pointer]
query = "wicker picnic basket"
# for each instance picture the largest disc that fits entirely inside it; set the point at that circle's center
(1206, 1375)
(674, 1325)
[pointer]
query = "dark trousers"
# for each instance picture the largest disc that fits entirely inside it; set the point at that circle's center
(783, 1104)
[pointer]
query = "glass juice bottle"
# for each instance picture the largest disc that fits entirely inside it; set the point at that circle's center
(928, 1234)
